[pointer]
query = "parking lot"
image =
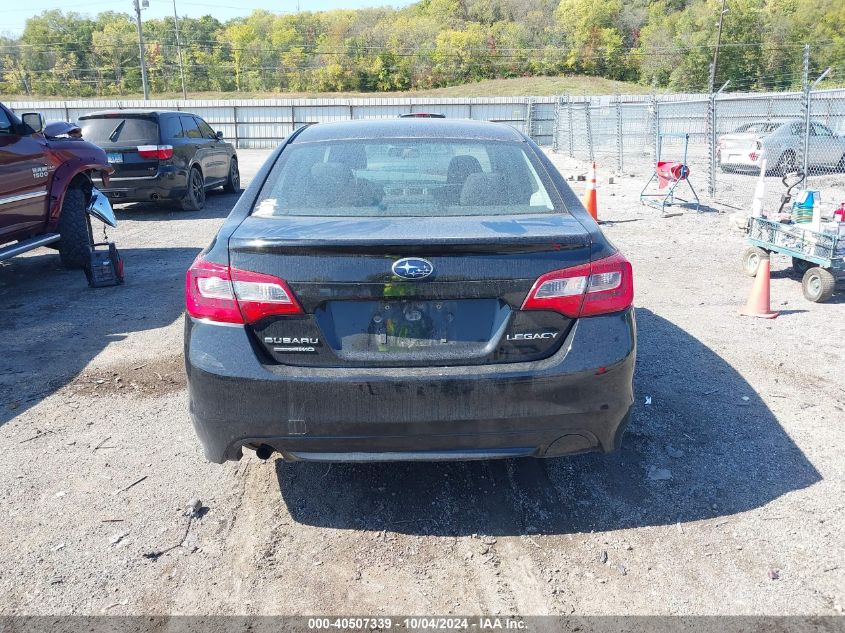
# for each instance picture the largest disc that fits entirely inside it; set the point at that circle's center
(727, 497)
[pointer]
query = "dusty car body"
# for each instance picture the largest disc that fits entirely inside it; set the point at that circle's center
(362, 304)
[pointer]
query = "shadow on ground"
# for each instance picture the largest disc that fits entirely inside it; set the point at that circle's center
(52, 324)
(725, 455)
(218, 204)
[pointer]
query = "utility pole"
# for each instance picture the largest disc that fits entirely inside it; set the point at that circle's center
(179, 49)
(137, 5)
(715, 64)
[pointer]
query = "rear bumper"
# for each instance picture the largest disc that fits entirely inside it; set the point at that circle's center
(167, 184)
(578, 400)
(740, 160)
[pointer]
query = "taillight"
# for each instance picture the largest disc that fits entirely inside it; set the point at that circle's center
(155, 152)
(260, 295)
(227, 295)
(603, 286)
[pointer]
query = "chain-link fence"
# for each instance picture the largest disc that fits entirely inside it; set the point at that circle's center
(263, 123)
(726, 138)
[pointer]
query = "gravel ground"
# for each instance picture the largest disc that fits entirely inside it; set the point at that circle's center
(727, 497)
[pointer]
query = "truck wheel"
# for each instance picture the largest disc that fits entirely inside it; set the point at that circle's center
(75, 229)
(801, 266)
(818, 284)
(194, 199)
(233, 182)
(751, 260)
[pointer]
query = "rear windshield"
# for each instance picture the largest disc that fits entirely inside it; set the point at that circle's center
(758, 128)
(405, 177)
(120, 130)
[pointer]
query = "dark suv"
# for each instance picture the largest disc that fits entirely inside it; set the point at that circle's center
(162, 155)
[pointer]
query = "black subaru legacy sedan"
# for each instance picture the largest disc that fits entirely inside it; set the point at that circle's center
(409, 289)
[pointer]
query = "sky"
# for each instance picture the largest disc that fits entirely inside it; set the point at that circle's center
(13, 15)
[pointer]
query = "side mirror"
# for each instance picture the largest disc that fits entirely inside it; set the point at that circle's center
(34, 121)
(219, 135)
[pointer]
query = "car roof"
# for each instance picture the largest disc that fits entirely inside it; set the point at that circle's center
(119, 111)
(418, 128)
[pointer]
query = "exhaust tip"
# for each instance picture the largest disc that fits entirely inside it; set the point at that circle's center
(264, 452)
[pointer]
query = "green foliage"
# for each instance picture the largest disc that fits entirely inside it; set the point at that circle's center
(430, 44)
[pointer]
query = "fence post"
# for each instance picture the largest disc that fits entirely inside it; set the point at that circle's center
(589, 129)
(807, 118)
(529, 106)
(556, 125)
(805, 105)
(711, 139)
(620, 150)
(710, 130)
(235, 116)
(655, 122)
(569, 126)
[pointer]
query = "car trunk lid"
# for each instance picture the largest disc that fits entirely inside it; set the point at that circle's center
(741, 141)
(360, 311)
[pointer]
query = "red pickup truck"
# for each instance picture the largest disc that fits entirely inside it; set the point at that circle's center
(46, 189)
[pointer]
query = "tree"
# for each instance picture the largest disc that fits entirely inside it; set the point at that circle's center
(593, 39)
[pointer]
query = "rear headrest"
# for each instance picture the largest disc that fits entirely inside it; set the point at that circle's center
(352, 155)
(460, 167)
(328, 182)
(483, 190)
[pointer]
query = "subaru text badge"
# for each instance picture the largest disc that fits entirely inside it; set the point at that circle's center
(412, 268)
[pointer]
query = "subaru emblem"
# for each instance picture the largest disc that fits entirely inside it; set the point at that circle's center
(412, 268)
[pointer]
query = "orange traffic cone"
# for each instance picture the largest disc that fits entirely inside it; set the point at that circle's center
(759, 301)
(590, 202)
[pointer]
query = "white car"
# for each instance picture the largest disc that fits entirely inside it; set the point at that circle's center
(781, 143)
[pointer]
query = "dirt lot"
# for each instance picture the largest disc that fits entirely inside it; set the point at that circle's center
(726, 499)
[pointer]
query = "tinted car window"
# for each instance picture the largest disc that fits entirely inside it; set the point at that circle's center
(404, 177)
(120, 130)
(205, 128)
(171, 128)
(821, 130)
(189, 124)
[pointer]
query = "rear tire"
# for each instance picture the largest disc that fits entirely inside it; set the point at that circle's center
(751, 259)
(233, 182)
(818, 284)
(801, 266)
(75, 229)
(194, 199)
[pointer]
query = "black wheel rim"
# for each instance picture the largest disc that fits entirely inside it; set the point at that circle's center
(235, 176)
(197, 189)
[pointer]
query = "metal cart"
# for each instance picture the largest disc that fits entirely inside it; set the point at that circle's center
(818, 257)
